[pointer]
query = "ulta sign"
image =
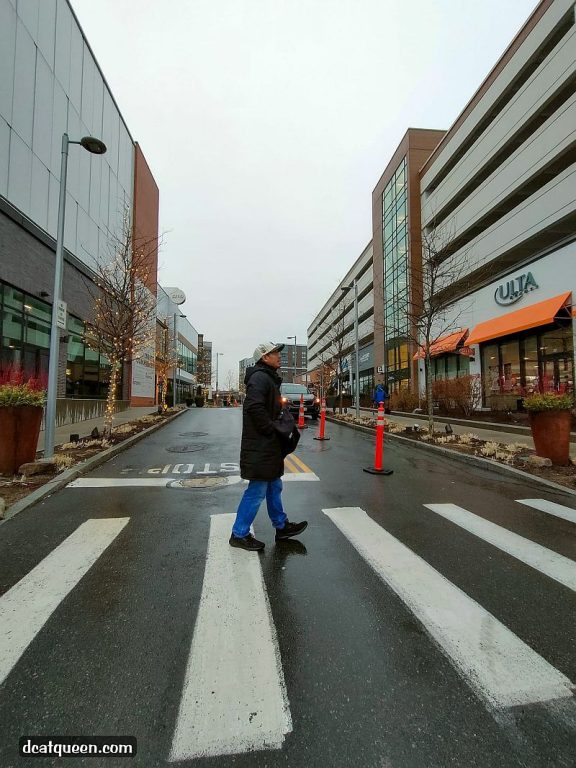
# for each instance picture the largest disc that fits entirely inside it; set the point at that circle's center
(513, 290)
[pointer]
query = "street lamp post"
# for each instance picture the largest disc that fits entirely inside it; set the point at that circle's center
(356, 345)
(96, 147)
(218, 354)
(294, 337)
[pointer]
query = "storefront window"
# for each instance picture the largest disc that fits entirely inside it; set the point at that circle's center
(510, 359)
(514, 368)
(531, 375)
(491, 371)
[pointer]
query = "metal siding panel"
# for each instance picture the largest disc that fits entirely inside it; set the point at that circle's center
(25, 76)
(43, 106)
(20, 173)
(39, 193)
(7, 58)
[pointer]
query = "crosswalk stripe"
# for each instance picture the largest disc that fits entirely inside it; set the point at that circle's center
(28, 605)
(496, 663)
(234, 698)
(558, 510)
(556, 566)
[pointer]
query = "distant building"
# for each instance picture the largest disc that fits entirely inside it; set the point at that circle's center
(242, 366)
(287, 362)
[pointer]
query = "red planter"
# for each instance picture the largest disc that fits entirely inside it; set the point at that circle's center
(19, 430)
(551, 433)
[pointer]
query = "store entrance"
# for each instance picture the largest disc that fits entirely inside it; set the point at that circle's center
(557, 373)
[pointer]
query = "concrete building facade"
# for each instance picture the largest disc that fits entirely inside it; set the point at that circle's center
(500, 192)
(51, 84)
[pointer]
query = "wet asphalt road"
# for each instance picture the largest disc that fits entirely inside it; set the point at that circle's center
(366, 684)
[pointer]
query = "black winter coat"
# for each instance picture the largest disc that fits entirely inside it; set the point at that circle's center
(261, 451)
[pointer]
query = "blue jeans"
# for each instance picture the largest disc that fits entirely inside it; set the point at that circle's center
(250, 503)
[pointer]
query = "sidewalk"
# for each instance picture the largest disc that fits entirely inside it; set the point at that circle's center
(498, 433)
(84, 428)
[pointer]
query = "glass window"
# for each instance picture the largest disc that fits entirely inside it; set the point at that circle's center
(510, 374)
(451, 366)
(531, 375)
(491, 370)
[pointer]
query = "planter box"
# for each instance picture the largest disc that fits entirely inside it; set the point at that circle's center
(20, 428)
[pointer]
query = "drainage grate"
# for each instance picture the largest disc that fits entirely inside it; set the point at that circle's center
(193, 434)
(187, 448)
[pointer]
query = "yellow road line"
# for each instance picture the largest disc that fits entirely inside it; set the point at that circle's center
(289, 465)
(300, 463)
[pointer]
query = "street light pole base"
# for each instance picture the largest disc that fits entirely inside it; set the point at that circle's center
(374, 471)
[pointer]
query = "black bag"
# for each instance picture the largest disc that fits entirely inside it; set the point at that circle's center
(287, 432)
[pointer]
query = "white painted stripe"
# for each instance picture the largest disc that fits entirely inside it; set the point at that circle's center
(157, 482)
(28, 605)
(234, 698)
(497, 664)
(118, 482)
(556, 566)
(558, 510)
(300, 477)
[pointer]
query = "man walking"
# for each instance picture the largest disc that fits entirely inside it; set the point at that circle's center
(261, 455)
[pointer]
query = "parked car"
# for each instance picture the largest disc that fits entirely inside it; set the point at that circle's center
(291, 397)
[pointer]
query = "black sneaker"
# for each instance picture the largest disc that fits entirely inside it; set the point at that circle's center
(246, 542)
(290, 529)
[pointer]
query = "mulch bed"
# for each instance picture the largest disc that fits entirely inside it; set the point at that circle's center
(562, 475)
(14, 489)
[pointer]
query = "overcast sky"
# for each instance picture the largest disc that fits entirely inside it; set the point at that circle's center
(267, 123)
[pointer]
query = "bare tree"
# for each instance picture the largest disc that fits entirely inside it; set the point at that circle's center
(123, 327)
(231, 381)
(166, 359)
(203, 366)
(430, 311)
(336, 343)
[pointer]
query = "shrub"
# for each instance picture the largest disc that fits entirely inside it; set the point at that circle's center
(548, 401)
(18, 388)
(63, 461)
(462, 394)
(490, 449)
(404, 400)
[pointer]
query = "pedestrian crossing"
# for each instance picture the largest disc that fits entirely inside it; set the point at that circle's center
(234, 697)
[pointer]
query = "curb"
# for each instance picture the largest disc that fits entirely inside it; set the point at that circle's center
(68, 475)
(465, 458)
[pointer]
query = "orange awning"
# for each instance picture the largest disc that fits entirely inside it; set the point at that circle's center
(533, 316)
(443, 345)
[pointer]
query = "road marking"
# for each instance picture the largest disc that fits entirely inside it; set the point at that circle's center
(289, 465)
(556, 566)
(118, 482)
(28, 605)
(496, 663)
(566, 513)
(298, 461)
(234, 698)
(146, 482)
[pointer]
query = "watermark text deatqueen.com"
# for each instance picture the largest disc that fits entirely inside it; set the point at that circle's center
(72, 746)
